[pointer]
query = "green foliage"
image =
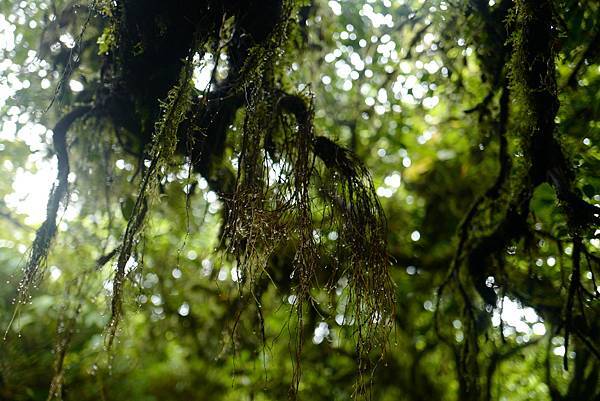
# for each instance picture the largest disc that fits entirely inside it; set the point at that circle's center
(321, 200)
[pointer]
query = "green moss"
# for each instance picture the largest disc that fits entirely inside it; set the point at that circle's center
(106, 41)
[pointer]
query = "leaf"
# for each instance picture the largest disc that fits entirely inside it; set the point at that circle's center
(589, 190)
(127, 206)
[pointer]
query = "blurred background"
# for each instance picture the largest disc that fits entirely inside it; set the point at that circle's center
(414, 88)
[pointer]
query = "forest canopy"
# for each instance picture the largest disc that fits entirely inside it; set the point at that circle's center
(300, 199)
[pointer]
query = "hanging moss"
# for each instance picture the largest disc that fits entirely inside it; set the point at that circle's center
(147, 59)
(499, 218)
(162, 152)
